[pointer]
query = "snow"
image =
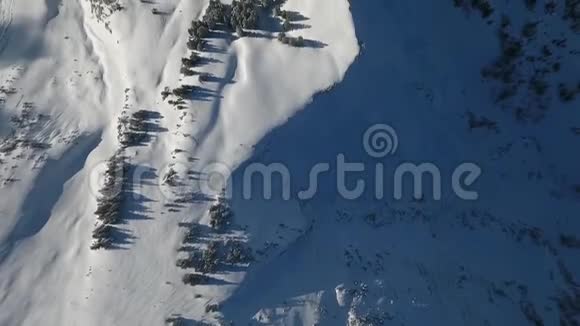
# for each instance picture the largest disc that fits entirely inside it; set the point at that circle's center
(322, 261)
(83, 74)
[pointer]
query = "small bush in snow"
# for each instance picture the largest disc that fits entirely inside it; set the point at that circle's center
(238, 253)
(175, 321)
(220, 214)
(184, 90)
(171, 178)
(190, 62)
(102, 231)
(101, 243)
(184, 263)
(569, 241)
(196, 43)
(165, 93)
(297, 42)
(198, 29)
(209, 259)
(286, 25)
(191, 235)
(214, 307)
(194, 279)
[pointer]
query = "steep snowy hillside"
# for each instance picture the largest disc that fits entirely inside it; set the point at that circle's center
(84, 94)
(507, 258)
(199, 162)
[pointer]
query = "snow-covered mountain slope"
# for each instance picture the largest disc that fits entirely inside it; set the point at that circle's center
(90, 87)
(504, 259)
(70, 70)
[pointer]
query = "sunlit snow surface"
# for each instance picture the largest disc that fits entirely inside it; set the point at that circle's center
(413, 65)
